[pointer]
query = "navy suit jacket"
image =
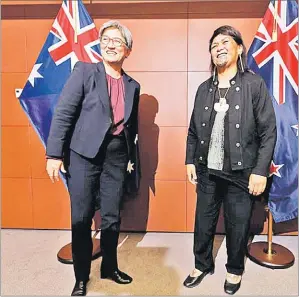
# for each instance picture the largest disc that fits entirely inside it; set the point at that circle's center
(83, 114)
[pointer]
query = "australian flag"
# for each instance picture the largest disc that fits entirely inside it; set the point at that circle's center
(73, 37)
(274, 55)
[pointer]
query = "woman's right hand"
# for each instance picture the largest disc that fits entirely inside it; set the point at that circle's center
(53, 167)
(191, 173)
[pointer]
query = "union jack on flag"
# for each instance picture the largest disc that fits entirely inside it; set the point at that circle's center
(73, 36)
(274, 55)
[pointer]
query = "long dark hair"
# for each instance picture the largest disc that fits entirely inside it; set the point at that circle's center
(236, 35)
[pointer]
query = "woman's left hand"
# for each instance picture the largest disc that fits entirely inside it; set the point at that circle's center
(257, 184)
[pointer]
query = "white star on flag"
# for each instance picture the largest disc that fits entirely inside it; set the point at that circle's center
(34, 73)
(274, 169)
(295, 127)
(136, 138)
(130, 166)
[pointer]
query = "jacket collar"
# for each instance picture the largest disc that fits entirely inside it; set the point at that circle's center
(236, 80)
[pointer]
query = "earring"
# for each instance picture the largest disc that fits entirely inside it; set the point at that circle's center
(241, 62)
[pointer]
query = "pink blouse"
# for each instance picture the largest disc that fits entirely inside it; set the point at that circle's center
(116, 91)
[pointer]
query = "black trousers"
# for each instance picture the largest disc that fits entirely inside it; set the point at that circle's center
(91, 182)
(237, 206)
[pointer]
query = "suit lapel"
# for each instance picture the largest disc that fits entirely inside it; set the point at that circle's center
(102, 89)
(129, 95)
(101, 86)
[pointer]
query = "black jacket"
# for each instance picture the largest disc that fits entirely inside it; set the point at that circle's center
(252, 124)
(83, 114)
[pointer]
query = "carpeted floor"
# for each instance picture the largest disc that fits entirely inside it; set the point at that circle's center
(158, 262)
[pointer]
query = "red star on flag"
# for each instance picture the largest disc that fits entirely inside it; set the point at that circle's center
(274, 169)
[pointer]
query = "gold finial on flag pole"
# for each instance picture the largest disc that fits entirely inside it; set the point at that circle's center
(75, 3)
(274, 31)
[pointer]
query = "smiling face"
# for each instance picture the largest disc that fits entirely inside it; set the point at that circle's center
(113, 46)
(225, 51)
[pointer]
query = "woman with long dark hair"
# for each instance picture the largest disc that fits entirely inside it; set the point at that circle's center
(230, 144)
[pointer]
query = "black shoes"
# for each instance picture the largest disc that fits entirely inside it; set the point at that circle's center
(79, 288)
(117, 276)
(232, 283)
(231, 288)
(191, 281)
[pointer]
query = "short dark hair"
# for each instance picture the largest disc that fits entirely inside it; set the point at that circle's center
(236, 35)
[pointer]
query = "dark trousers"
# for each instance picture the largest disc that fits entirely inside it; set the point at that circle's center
(91, 182)
(237, 206)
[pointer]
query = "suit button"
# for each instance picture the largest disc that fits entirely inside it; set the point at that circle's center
(203, 124)
(237, 126)
(202, 142)
(237, 89)
(215, 83)
(210, 90)
(233, 82)
(237, 144)
(237, 107)
(200, 158)
(206, 107)
(239, 163)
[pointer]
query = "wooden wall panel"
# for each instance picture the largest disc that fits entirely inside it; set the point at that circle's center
(194, 81)
(171, 154)
(12, 112)
(16, 207)
(51, 205)
(158, 45)
(167, 209)
(161, 103)
(35, 2)
(37, 156)
(15, 152)
(14, 51)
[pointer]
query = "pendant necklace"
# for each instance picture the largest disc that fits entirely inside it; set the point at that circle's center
(222, 105)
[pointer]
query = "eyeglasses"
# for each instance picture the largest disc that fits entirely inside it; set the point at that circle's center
(117, 42)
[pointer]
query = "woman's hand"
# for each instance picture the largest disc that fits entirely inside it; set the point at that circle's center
(191, 173)
(53, 167)
(257, 184)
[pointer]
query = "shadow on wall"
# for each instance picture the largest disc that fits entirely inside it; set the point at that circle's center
(136, 209)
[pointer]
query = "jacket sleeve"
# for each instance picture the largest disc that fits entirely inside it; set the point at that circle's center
(266, 129)
(66, 112)
(192, 136)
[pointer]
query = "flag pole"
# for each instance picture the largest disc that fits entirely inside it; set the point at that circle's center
(75, 18)
(269, 254)
(274, 31)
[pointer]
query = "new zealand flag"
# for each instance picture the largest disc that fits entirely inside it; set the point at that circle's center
(274, 55)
